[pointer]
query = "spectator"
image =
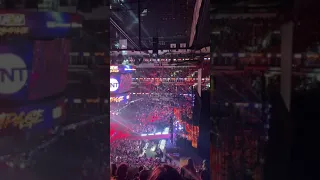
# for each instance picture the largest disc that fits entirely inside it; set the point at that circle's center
(205, 172)
(165, 172)
(122, 172)
(188, 171)
(144, 175)
(113, 170)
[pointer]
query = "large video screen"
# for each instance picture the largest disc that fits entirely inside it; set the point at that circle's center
(120, 83)
(15, 70)
(33, 70)
(49, 68)
(121, 98)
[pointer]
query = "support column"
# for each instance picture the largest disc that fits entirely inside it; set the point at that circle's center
(215, 154)
(277, 162)
(286, 83)
(199, 81)
(286, 62)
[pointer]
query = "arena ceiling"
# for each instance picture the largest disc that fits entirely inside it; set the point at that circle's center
(281, 10)
(295, 7)
(169, 20)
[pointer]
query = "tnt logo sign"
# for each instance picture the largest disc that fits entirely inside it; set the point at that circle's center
(114, 85)
(13, 73)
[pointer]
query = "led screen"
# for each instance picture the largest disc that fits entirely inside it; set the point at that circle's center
(15, 70)
(49, 68)
(120, 83)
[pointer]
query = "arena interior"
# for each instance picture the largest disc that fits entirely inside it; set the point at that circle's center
(242, 75)
(156, 83)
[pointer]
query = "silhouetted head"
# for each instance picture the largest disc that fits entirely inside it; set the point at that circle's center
(141, 168)
(122, 171)
(165, 172)
(190, 163)
(144, 174)
(205, 164)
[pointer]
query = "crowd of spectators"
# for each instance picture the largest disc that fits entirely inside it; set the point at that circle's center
(182, 81)
(163, 89)
(241, 141)
(160, 171)
(82, 146)
(151, 112)
(129, 157)
(176, 72)
(248, 61)
(244, 41)
(300, 83)
(144, 129)
(132, 152)
(246, 34)
(239, 95)
(147, 115)
(240, 61)
(238, 87)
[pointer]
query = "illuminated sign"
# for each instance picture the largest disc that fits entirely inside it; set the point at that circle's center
(116, 99)
(48, 5)
(57, 112)
(52, 24)
(119, 98)
(13, 30)
(15, 24)
(114, 69)
(12, 20)
(22, 119)
(13, 74)
(114, 85)
(129, 69)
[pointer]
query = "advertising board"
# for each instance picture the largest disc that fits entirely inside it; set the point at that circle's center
(15, 70)
(32, 70)
(37, 117)
(122, 98)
